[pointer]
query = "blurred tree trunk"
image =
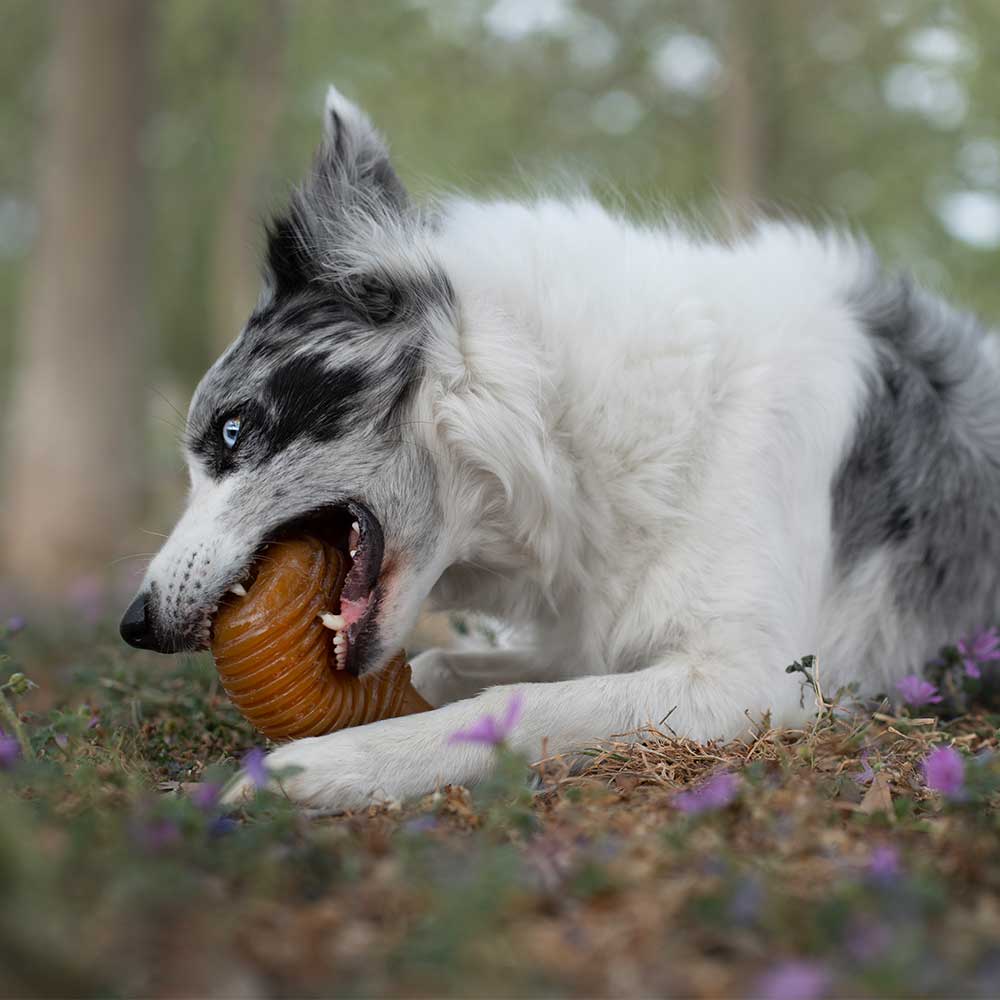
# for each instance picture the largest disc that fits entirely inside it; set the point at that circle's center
(747, 143)
(74, 475)
(236, 265)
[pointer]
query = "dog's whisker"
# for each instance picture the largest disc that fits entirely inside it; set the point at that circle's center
(167, 422)
(134, 555)
(166, 400)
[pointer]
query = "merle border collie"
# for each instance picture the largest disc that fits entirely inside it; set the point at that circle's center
(673, 464)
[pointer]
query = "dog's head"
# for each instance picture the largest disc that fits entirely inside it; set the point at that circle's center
(308, 422)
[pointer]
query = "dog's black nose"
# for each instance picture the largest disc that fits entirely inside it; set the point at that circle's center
(136, 628)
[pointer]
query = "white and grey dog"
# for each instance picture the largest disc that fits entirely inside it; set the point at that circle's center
(674, 464)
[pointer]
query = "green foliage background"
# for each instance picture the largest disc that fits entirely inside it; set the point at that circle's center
(868, 118)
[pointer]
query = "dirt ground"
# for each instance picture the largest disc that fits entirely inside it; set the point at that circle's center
(793, 864)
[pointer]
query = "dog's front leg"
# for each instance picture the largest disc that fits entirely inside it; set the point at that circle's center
(403, 758)
(406, 757)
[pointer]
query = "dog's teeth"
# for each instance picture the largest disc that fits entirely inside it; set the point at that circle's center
(238, 589)
(340, 651)
(356, 527)
(332, 621)
(354, 552)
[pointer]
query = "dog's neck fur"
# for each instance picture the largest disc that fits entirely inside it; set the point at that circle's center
(531, 516)
(519, 533)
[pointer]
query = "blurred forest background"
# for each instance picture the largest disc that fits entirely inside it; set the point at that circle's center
(143, 142)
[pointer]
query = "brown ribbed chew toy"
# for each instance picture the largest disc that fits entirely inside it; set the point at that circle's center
(275, 657)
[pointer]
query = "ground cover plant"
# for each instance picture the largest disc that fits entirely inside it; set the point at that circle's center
(855, 857)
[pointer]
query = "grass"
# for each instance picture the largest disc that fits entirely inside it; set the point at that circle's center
(828, 869)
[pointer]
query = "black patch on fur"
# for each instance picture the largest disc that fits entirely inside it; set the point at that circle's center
(290, 257)
(305, 399)
(874, 499)
(921, 478)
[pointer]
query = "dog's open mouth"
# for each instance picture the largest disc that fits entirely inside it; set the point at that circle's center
(355, 532)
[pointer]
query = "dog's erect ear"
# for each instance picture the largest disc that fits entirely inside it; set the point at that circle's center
(352, 188)
(354, 153)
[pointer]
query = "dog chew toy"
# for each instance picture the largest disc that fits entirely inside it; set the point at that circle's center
(275, 656)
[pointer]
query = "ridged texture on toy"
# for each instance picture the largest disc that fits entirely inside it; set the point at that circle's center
(275, 657)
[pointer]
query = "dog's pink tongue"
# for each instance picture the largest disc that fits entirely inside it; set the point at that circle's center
(353, 610)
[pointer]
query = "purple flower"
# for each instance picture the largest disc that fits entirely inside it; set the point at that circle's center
(10, 751)
(883, 863)
(916, 691)
(794, 980)
(491, 731)
(155, 835)
(716, 793)
(867, 773)
(983, 647)
(222, 826)
(421, 824)
(255, 766)
(15, 624)
(62, 740)
(206, 796)
(944, 771)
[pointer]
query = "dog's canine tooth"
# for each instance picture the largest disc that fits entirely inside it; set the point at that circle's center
(332, 621)
(238, 589)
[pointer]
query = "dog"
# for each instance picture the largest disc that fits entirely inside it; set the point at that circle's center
(674, 464)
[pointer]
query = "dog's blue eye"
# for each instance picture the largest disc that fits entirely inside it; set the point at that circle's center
(231, 431)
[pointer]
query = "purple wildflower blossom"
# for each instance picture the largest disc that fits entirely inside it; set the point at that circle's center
(206, 796)
(10, 751)
(255, 766)
(944, 771)
(62, 740)
(222, 826)
(983, 647)
(916, 691)
(716, 793)
(794, 980)
(883, 863)
(155, 835)
(489, 730)
(15, 624)
(421, 824)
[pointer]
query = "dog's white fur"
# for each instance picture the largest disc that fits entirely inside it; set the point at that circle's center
(635, 432)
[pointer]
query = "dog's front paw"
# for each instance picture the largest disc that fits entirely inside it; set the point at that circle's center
(325, 774)
(434, 678)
